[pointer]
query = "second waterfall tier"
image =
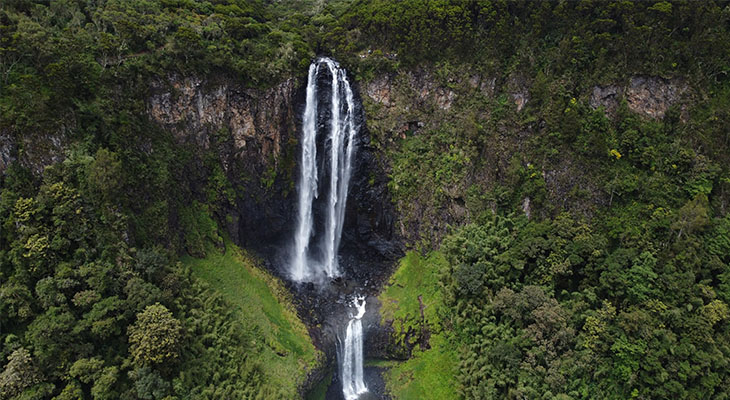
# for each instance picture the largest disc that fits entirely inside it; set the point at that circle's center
(351, 357)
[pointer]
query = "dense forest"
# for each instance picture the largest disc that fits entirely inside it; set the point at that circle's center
(567, 233)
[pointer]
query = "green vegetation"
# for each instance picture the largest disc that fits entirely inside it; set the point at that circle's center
(617, 285)
(413, 301)
(541, 308)
(428, 375)
(320, 390)
(613, 287)
(558, 297)
(590, 40)
(284, 349)
(155, 337)
(84, 312)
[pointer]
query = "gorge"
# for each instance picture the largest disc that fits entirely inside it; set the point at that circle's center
(316, 245)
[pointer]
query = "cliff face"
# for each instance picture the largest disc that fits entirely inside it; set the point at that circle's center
(34, 151)
(7, 152)
(649, 96)
(254, 134)
(250, 132)
(258, 121)
(421, 101)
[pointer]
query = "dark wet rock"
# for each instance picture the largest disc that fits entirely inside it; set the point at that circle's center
(249, 130)
(373, 377)
(606, 97)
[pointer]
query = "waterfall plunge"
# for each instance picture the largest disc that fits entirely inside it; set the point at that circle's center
(351, 362)
(342, 131)
(306, 263)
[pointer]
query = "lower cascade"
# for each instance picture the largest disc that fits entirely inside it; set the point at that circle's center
(351, 360)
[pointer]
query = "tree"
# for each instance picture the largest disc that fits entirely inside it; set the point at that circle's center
(149, 383)
(102, 389)
(155, 337)
(104, 176)
(693, 216)
(18, 375)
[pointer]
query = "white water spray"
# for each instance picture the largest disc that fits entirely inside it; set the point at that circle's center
(307, 180)
(352, 354)
(341, 140)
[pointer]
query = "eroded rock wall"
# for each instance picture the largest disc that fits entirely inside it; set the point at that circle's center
(420, 101)
(254, 133)
(194, 109)
(649, 96)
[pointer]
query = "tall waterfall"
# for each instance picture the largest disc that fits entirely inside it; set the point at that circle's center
(340, 142)
(352, 354)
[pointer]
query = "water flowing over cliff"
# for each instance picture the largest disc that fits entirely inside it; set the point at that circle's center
(306, 264)
(328, 147)
(352, 354)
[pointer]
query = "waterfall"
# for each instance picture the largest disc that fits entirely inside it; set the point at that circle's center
(317, 237)
(351, 363)
(341, 143)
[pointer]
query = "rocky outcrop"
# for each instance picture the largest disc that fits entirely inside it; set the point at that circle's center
(519, 90)
(379, 90)
(7, 152)
(249, 131)
(648, 96)
(419, 85)
(194, 110)
(652, 96)
(254, 134)
(606, 97)
(421, 101)
(35, 151)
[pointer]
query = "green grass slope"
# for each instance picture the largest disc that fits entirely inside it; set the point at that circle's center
(261, 301)
(430, 372)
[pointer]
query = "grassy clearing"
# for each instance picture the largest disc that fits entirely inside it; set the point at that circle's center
(262, 302)
(416, 276)
(429, 374)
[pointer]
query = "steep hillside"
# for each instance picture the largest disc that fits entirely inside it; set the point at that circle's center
(284, 350)
(580, 199)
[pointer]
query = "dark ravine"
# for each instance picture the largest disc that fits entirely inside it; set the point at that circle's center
(368, 250)
(260, 132)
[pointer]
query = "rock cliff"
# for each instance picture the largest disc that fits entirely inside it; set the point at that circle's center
(254, 134)
(649, 96)
(420, 101)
